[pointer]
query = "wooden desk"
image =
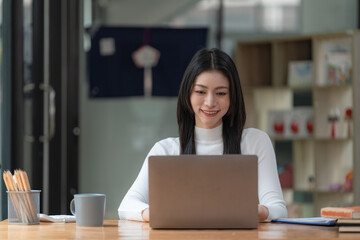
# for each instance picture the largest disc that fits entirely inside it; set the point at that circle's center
(114, 229)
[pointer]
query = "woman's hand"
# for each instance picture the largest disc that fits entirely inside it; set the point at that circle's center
(145, 215)
(263, 212)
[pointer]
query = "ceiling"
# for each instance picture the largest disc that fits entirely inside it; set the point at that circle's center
(142, 12)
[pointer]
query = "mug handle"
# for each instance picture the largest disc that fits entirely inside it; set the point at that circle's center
(72, 207)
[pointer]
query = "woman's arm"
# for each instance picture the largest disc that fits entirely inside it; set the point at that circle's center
(136, 200)
(270, 192)
(269, 189)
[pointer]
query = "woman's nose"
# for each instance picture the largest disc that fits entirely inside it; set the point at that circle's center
(210, 100)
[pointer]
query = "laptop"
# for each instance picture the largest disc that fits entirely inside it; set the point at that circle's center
(203, 191)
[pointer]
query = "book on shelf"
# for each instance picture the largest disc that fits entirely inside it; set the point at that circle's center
(341, 212)
(349, 229)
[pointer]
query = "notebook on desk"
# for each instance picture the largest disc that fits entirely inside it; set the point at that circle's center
(202, 191)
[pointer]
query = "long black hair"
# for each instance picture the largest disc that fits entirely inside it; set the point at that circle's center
(234, 119)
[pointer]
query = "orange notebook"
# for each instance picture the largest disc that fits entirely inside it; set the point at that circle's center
(341, 212)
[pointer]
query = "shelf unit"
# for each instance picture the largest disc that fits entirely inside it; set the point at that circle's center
(321, 161)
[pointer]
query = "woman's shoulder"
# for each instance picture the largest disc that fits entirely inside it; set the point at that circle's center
(168, 145)
(254, 133)
(169, 141)
(253, 137)
(254, 141)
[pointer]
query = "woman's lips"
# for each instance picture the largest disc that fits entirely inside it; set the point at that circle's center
(209, 113)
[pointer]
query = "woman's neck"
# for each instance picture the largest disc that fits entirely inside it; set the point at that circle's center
(208, 135)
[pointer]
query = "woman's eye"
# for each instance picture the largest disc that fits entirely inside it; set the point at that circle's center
(221, 93)
(200, 92)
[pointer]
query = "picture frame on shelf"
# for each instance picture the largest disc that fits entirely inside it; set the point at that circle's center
(334, 61)
(338, 68)
(300, 74)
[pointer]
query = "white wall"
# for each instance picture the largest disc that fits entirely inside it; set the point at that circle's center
(328, 15)
(116, 134)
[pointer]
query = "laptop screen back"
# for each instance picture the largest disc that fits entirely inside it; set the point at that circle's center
(203, 191)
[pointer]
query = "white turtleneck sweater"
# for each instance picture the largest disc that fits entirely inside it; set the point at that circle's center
(210, 142)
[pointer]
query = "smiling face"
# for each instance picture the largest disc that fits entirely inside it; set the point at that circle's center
(210, 98)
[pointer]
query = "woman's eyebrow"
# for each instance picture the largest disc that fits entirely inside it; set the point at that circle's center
(203, 86)
(221, 87)
(200, 85)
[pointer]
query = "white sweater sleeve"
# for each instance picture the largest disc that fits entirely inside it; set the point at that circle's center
(269, 189)
(137, 198)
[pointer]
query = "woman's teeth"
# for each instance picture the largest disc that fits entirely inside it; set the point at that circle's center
(208, 112)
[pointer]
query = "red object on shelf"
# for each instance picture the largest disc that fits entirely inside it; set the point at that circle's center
(310, 126)
(348, 119)
(295, 127)
(333, 117)
(348, 113)
(333, 134)
(279, 127)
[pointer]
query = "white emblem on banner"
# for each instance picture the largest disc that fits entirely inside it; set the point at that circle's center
(146, 57)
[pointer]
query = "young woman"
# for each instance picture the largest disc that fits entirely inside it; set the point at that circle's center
(211, 117)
